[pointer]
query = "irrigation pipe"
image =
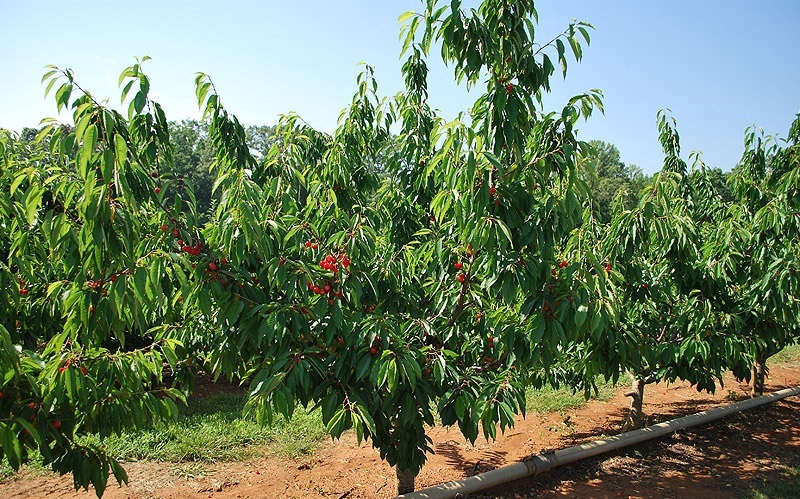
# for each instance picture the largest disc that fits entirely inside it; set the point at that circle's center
(543, 463)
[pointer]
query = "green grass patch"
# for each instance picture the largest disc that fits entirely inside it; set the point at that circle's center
(209, 429)
(559, 399)
(788, 487)
(212, 429)
(789, 355)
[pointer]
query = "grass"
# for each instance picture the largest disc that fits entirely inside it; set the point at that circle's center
(790, 354)
(212, 429)
(556, 400)
(785, 488)
(209, 429)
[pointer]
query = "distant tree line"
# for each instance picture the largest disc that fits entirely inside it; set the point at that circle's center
(616, 186)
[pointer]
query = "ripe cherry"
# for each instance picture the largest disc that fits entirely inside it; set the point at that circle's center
(457, 265)
(23, 292)
(57, 424)
(154, 174)
(461, 277)
(607, 267)
(164, 228)
(492, 191)
(373, 350)
(212, 266)
(563, 264)
(157, 190)
(509, 88)
(176, 232)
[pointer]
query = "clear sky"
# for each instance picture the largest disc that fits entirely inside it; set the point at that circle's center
(720, 66)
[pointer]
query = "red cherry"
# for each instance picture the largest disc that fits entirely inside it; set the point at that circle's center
(330, 301)
(314, 246)
(509, 88)
(176, 232)
(57, 424)
(180, 299)
(461, 277)
(345, 262)
(607, 267)
(492, 191)
(340, 341)
(223, 261)
(164, 228)
(554, 272)
(308, 244)
(479, 315)
(23, 292)
(457, 265)
(563, 264)
(373, 350)
(326, 289)
(212, 266)
(62, 369)
(157, 190)
(154, 174)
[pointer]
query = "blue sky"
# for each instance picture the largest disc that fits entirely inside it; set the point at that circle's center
(720, 66)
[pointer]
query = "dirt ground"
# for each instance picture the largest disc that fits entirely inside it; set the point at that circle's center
(718, 460)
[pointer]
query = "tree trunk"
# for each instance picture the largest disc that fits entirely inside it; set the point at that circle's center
(635, 419)
(759, 372)
(405, 481)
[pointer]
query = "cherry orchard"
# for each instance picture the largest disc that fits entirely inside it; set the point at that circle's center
(388, 277)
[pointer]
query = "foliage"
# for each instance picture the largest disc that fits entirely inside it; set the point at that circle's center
(398, 270)
(760, 272)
